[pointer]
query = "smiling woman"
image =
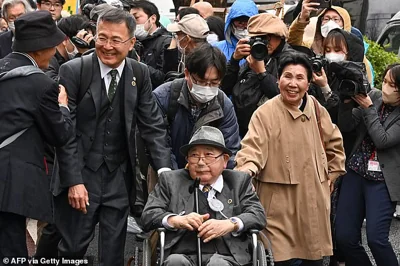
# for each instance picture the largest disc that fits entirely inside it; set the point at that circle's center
(295, 153)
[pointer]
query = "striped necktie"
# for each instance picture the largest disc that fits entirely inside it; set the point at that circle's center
(113, 84)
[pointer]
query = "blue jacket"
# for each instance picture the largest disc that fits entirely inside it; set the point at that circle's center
(184, 125)
(238, 9)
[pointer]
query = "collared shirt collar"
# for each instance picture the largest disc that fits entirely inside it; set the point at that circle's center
(104, 69)
(295, 112)
(218, 184)
(29, 57)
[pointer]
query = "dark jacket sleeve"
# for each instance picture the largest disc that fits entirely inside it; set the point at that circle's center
(230, 130)
(151, 124)
(53, 69)
(157, 205)
(54, 121)
(157, 73)
(231, 76)
(171, 60)
(67, 155)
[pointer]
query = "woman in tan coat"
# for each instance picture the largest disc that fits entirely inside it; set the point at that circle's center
(294, 160)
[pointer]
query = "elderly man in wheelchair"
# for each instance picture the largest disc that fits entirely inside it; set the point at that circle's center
(227, 207)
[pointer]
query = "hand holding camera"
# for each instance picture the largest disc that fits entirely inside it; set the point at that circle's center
(363, 100)
(320, 79)
(242, 49)
(307, 7)
(83, 41)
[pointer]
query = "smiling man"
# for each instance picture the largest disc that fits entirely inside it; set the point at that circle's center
(96, 167)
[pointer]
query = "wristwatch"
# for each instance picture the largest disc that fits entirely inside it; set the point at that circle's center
(235, 222)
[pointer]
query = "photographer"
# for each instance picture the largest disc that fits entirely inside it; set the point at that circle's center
(372, 185)
(338, 46)
(255, 81)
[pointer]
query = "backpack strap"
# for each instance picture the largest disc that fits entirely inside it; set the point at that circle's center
(85, 77)
(21, 71)
(176, 88)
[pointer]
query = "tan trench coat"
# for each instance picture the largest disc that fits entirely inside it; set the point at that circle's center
(283, 147)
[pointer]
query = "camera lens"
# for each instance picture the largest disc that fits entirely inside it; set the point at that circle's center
(259, 50)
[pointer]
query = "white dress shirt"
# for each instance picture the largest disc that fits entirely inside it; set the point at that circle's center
(105, 73)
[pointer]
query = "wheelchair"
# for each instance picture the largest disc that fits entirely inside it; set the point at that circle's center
(153, 250)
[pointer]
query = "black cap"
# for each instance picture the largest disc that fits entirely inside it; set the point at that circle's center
(36, 31)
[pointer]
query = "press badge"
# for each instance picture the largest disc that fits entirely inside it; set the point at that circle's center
(373, 164)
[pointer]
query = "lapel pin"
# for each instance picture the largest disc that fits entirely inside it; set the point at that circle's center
(229, 201)
(133, 83)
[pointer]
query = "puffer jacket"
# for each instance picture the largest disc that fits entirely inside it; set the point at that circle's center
(239, 8)
(296, 33)
(184, 125)
(153, 54)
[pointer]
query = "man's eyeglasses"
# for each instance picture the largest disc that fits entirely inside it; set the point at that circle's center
(208, 159)
(50, 4)
(205, 83)
(336, 20)
(112, 42)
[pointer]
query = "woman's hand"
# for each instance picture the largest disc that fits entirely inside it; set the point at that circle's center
(320, 79)
(363, 100)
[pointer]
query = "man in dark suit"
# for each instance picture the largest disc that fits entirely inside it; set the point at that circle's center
(29, 116)
(96, 167)
(171, 205)
(12, 9)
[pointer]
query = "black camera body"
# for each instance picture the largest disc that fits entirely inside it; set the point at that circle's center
(318, 62)
(353, 78)
(259, 49)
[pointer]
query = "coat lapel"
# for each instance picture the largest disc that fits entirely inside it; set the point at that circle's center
(226, 197)
(130, 96)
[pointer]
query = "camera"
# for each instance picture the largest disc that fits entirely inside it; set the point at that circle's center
(259, 49)
(352, 77)
(318, 62)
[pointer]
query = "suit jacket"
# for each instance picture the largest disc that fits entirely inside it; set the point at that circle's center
(28, 102)
(171, 196)
(6, 43)
(386, 137)
(140, 108)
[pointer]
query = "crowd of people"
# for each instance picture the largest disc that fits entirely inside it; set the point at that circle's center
(115, 112)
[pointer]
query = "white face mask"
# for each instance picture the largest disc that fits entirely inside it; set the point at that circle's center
(140, 32)
(71, 55)
(335, 57)
(178, 43)
(203, 94)
(240, 34)
(11, 26)
(327, 27)
(212, 38)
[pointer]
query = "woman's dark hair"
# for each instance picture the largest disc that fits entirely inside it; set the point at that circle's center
(204, 57)
(72, 25)
(337, 39)
(216, 25)
(186, 11)
(294, 58)
(394, 73)
(149, 8)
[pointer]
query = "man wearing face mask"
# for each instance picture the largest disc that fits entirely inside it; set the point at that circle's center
(236, 26)
(190, 32)
(255, 81)
(328, 19)
(197, 102)
(11, 10)
(153, 36)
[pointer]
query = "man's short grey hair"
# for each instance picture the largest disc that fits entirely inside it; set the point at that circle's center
(10, 3)
(119, 16)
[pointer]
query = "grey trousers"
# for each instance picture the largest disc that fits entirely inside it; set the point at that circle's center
(207, 260)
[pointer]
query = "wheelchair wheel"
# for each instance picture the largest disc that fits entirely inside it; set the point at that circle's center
(261, 256)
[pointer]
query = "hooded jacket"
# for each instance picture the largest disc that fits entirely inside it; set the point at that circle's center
(297, 28)
(239, 8)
